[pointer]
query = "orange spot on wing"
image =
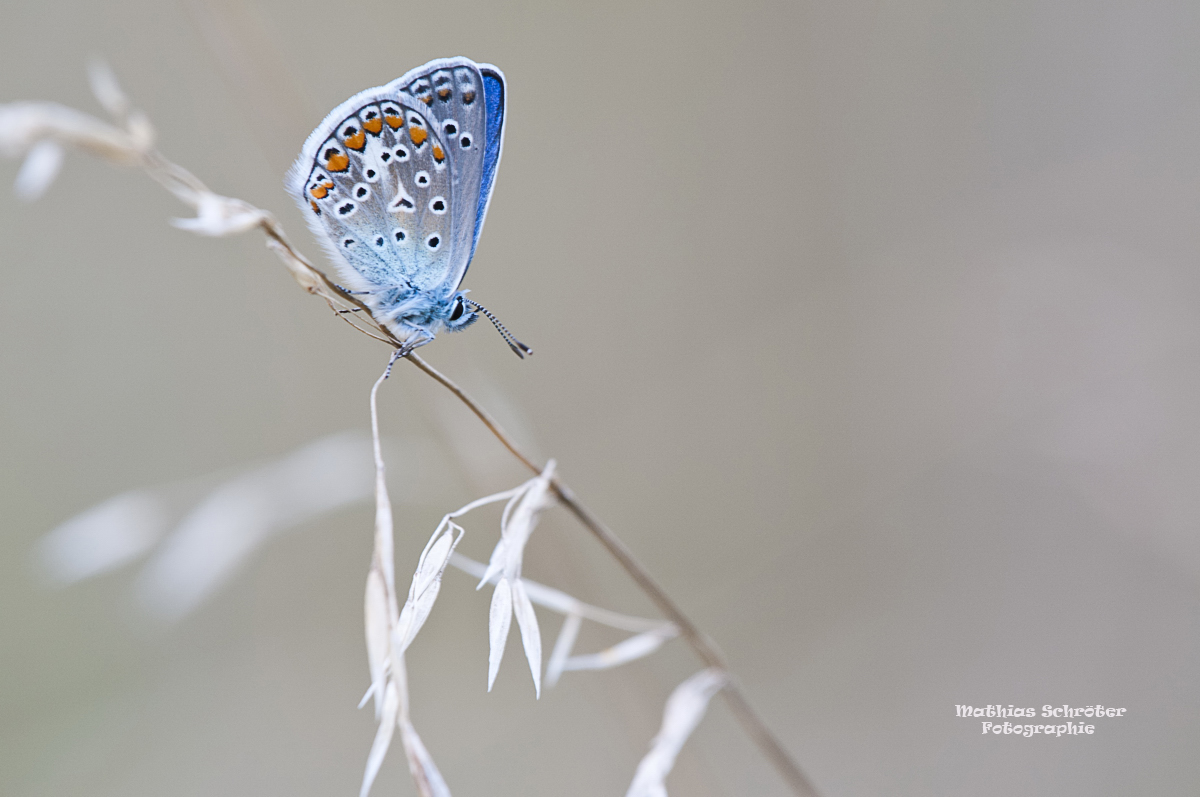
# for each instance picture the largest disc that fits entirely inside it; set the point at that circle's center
(418, 135)
(373, 125)
(316, 209)
(338, 162)
(438, 155)
(319, 191)
(356, 141)
(427, 99)
(468, 97)
(444, 94)
(394, 122)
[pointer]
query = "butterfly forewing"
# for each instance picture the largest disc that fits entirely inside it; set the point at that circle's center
(453, 96)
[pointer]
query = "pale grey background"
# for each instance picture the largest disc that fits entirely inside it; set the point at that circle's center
(872, 327)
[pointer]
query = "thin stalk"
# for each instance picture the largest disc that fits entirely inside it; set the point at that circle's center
(130, 145)
(704, 647)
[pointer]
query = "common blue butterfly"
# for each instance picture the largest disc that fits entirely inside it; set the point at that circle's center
(395, 184)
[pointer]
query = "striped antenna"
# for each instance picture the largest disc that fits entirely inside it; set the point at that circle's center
(517, 346)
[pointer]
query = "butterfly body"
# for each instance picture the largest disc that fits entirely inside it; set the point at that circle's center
(395, 183)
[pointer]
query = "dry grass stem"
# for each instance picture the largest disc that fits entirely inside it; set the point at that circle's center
(39, 132)
(705, 648)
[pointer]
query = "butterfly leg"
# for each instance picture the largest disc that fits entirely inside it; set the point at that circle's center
(344, 289)
(396, 355)
(418, 338)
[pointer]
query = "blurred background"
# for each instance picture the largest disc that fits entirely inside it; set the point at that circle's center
(873, 328)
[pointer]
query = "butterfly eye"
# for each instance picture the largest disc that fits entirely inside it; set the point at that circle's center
(458, 309)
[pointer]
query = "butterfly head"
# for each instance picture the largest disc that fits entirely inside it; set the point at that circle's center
(415, 320)
(460, 313)
(418, 316)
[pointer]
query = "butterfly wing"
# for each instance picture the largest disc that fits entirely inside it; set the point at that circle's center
(495, 94)
(395, 182)
(467, 102)
(375, 182)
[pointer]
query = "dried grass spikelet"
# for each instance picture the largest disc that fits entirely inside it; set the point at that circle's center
(520, 516)
(514, 595)
(649, 634)
(25, 124)
(510, 598)
(683, 712)
(41, 132)
(388, 637)
(389, 630)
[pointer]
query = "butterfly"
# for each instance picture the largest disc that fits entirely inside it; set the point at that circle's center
(395, 184)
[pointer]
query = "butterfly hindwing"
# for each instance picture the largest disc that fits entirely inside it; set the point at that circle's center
(381, 194)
